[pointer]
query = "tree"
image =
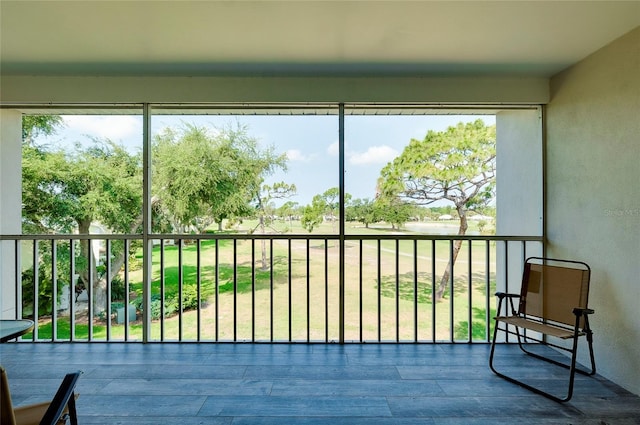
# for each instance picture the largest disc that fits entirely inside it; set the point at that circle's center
(313, 214)
(67, 191)
(393, 210)
(287, 211)
(200, 174)
(35, 125)
(325, 206)
(365, 211)
(268, 193)
(457, 165)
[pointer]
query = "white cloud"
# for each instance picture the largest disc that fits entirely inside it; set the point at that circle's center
(333, 149)
(373, 155)
(296, 155)
(113, 127)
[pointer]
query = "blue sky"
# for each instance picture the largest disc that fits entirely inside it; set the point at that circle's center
(310, 142)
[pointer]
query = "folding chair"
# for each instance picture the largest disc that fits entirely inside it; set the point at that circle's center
(54, 412)
(552, 306)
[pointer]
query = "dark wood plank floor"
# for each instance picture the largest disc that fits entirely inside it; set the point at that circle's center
(307, 384)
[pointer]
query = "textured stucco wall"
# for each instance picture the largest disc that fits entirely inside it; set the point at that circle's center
(593, 194)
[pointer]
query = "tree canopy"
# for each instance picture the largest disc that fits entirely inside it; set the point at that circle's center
(456, 165)
(63, 191)
(199, 173)
(325, 205)
(35, 125)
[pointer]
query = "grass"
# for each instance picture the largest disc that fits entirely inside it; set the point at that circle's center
(304, 302)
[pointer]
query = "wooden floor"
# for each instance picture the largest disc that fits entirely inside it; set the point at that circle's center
(306, 384)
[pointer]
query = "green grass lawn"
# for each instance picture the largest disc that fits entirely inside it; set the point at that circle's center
(306, 289)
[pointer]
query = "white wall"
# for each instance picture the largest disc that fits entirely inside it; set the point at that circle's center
(593, 194)
(10, 206)
(519, 193)
(519, 176)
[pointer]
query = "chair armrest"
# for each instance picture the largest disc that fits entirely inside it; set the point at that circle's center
(578, 311)
(502, 295)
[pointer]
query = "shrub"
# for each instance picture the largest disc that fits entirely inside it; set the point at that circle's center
(171, 302)
(45, 292)
(117, 289)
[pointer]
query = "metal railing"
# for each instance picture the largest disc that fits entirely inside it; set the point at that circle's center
(263, 288)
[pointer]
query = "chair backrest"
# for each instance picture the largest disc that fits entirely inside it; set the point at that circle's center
(6, 406)
(63, 397)
(552, 288)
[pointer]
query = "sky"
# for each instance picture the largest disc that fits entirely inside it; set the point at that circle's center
(310, 142)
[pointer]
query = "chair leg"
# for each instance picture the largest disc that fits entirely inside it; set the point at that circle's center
(589, 336)
(572, 368)
(564, 365)
(73, 416)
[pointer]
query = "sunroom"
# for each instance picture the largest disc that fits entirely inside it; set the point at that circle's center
(558, 81)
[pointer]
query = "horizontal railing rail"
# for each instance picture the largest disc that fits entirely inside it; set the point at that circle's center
(263, 287)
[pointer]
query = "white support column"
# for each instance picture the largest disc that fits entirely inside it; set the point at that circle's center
(519, 188)
(10, 205)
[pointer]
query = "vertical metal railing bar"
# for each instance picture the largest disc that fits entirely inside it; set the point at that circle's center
(470, 282)
(397, 290)
(271, 290)
(433, 290)
(487, 268)
(107, 262)
(341, 268)
(217, 290)
(36, 289)
(199, 289)
(379, 290)
(451, 292)
(415, 290)
(180, 287)
(162, 291)
(360, 324)
(54, 290)
(90, 292)
(72, 303)
(326, 290)
(308, 291)
(17, 283)
(506, 282)
(524, 257)
(290, 308)
(17, 261)
(235, 290)
(253, 290)
(127, 290)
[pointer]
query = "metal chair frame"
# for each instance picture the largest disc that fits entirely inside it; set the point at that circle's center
(60, 409)
(548, 328)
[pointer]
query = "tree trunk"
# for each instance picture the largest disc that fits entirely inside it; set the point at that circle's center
(446, 276)
(263, 244)
(96, 287)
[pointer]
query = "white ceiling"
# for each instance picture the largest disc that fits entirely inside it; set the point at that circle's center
(527, 38)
